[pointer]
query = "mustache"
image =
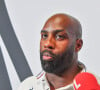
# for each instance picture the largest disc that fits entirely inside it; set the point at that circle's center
(47, 51)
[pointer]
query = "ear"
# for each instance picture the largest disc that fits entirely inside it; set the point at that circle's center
(79, 44)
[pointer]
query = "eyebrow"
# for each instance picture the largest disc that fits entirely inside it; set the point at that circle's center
(55, 31)
(43, 31)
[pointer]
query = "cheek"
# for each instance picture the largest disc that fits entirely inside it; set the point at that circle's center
(61, 47)
(41, 45)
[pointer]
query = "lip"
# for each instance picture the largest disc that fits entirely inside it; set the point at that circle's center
(47, 56)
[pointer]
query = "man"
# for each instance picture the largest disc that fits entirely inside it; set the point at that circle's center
(61, 40)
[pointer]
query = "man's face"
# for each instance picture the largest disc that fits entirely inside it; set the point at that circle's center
(56, 48)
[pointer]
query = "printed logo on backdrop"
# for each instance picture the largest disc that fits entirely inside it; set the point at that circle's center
(13, 64)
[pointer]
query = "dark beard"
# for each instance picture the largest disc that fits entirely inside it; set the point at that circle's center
(60, 63)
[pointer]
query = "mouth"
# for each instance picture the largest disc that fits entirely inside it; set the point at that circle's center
(47, 56)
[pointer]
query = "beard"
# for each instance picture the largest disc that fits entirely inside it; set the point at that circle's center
(59, 63)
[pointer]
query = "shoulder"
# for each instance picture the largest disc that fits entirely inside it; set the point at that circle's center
(32, 82)
(28, 83)
(96, 76)
(83, 67)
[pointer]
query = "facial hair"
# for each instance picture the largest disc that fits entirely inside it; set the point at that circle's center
(61, 62)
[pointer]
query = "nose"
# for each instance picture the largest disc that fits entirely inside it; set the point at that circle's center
(49, 43)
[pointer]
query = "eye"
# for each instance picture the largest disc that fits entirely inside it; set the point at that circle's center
(60, 37)
(44, 36)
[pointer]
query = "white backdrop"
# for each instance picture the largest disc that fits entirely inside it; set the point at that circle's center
(28, 17)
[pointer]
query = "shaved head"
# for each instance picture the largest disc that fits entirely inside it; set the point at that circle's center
(66, 21)
(60, 43)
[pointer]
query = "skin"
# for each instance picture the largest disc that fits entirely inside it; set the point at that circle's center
(52, 39)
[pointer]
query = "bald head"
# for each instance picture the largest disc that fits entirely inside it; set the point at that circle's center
(65, 21)
(60, 43)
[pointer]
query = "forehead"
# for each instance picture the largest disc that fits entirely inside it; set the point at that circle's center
(57, 24)
(54, 31)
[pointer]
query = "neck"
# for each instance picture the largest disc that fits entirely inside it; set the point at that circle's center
(64, 79)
